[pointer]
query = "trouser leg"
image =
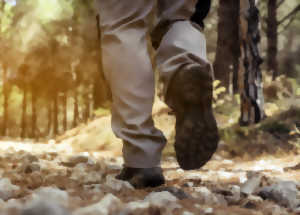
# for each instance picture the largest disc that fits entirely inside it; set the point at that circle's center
(128, 69)
(183, 47)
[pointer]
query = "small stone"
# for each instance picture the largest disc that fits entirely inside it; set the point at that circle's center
(117, 185)
(94, 188)
(80, 173)
(193, 176)
(190, 184)
(220, 200)
(274, 210)
(178, 193)
(180, 171)
(32, 167)
(252, 184)
(132, 206)
(74, 160)
(44, 207)
(284, 193)
(92, 177)
(13, 204)
(161, 199)
(187, 213)
(297, 210)
(207, 197)
(29, 158)
(53, 194)
(208, 210)
(251, 202)
(108, 205)
(198, 206)
(232, 194)
(7, 190)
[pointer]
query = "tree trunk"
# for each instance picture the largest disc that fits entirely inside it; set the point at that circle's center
(65, 120)
(272, 36)
(5, 104)
(76, 109)
(34, 113)
(55, 114)
(49, 125)
(252, 100)
(24, 113)
(87, 105)
(228, 51)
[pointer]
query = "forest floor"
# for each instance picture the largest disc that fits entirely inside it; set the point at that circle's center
(255, 172)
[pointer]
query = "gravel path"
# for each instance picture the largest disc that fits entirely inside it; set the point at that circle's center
(51, 179)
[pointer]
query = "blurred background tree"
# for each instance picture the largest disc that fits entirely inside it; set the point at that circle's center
(50, 61)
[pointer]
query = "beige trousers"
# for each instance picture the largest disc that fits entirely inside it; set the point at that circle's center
(125, 28)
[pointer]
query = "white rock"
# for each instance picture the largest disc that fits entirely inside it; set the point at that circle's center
(132, 206)
(284, 193)
(208, 210)
(297, 211)
(180, 171)
(29, 158)
(80, 174)
(202, 190)
(193, 176)
(106, 206)
(206, 196)
(94, 188)
(92, 177)
(252, 184)
(187, 213)
(7, 189)
(227, 162)
(235, 194)
(275, 210)
(198, 206)
(117, 185)
(44, 207)
(190, 184)
(53, 194)
(13, 204)
(255, 199)
(162, 199)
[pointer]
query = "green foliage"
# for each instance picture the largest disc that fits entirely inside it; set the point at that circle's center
(6, 18)
(217, 93)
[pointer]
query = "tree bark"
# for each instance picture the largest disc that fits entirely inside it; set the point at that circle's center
(76, 109)
(34, 113)
(5, 104)
(272, 36)
(49, 125)
(252, 99)
(87, 104)
(228, 50)
(24, 113)
(65, 103)
(55, 114)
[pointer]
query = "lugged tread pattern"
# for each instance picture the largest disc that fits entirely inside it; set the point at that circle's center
(196, 129)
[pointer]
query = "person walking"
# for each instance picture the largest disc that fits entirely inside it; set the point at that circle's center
(186, 75)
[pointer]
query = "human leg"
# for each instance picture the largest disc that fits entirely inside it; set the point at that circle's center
(187, 78)
(128, 69)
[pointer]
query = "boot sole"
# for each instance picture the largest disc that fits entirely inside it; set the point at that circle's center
(196, 129)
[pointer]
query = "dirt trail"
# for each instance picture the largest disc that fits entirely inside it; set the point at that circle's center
(83, 183)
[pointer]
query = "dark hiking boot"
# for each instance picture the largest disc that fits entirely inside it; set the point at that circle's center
(142, 178)
(196, 128)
